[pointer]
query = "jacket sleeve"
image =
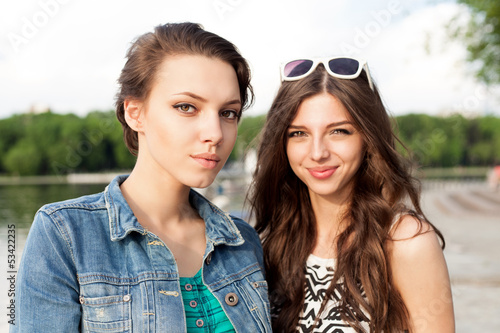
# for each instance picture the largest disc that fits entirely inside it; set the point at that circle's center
(47, 289)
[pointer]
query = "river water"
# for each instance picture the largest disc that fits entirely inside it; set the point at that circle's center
(18, 205)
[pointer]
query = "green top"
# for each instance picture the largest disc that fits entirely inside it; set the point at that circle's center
(203, 311)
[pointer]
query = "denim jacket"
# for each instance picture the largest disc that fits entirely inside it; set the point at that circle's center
(89, 266)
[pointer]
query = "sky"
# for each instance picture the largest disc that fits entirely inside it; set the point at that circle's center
(67, 54)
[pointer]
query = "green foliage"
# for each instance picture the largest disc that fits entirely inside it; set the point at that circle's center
(51, 143)
(433, 141)
(482, 36)
(23, 159)
(59, 144)
(451, 141)
(248, 131)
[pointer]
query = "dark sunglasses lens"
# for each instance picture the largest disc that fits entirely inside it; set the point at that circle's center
(297, 68)
(344, 66)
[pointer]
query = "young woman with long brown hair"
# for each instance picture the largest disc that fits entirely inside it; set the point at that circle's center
(347, 247)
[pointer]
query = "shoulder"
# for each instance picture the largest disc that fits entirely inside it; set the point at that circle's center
(247, 231)
(420, 274)
(251, 238)
(411, 238)
(87, 203)
(416, 259)
(72, 214)
(57, 226)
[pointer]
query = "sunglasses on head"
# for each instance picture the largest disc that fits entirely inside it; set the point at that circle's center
(339, 67)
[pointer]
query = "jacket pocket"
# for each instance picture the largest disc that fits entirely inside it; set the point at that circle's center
(253, 288)
(261, 288)
(107, 314)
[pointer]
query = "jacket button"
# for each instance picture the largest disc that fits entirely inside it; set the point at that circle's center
(199, 323)
(126, 298)
(208, 259)
(231, 299)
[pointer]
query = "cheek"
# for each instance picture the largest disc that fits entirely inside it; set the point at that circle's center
(295, 153)
(355, 153)
(230, 134)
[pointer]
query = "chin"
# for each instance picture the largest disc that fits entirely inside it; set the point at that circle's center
(323, 191)
(202, 183)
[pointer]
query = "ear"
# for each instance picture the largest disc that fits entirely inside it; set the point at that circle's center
(134, 114)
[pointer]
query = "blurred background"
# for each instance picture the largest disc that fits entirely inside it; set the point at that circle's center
(437, 65)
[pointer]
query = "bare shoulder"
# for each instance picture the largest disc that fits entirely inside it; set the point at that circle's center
(420, 274)
(413, 237)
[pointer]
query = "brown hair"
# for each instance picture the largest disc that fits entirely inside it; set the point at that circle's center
(284, 217)
(148, 52)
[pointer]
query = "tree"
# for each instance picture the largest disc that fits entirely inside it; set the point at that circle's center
(248, 131)
(482, 37)
(24, 158)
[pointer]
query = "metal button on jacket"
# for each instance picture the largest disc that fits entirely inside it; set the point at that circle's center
(231, 299)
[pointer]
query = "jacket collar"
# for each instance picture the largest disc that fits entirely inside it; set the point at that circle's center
(219, 225)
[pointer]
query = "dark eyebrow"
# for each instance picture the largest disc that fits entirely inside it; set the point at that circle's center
(234, 101)
(190, 94)
(204, 100)
(340, 123)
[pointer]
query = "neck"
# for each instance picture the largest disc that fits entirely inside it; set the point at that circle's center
(156, 199)
(329, 214)
(327, 211)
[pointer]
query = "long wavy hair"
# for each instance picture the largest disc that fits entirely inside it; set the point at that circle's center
(383, 187)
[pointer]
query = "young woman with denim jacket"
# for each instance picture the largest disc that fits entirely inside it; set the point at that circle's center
(150, 254)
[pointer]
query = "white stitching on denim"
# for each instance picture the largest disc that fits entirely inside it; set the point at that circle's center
(156, 243)
(169, 293)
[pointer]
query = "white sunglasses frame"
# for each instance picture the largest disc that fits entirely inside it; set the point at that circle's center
(324, 61)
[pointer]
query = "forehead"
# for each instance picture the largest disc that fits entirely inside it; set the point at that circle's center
(197, 73)
(320, 109)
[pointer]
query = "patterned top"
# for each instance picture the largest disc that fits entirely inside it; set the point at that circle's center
(319, 274)
(203, 311)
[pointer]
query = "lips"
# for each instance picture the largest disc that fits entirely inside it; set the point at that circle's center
(207, 160)
(322, 172)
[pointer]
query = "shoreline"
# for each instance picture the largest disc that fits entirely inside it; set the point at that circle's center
(429, 176)
(76, 178)
(106, 177)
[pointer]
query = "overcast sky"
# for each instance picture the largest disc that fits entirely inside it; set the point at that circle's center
(67, 54)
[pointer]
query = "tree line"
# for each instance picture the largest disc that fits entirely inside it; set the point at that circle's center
(56, 144)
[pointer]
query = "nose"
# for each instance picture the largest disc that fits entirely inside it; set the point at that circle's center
(211, 129)
(319, 149)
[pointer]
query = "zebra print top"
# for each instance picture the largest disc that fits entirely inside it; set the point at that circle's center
(319, 274)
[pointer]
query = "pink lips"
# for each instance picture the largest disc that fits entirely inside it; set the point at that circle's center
(322, 172)
(207, 160)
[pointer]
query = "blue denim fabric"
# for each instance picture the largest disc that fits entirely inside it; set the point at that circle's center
(88, 265)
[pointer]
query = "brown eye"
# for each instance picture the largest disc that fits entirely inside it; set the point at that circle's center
(296, 134)
(341, 131)
(185, 108)
(229, 114)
